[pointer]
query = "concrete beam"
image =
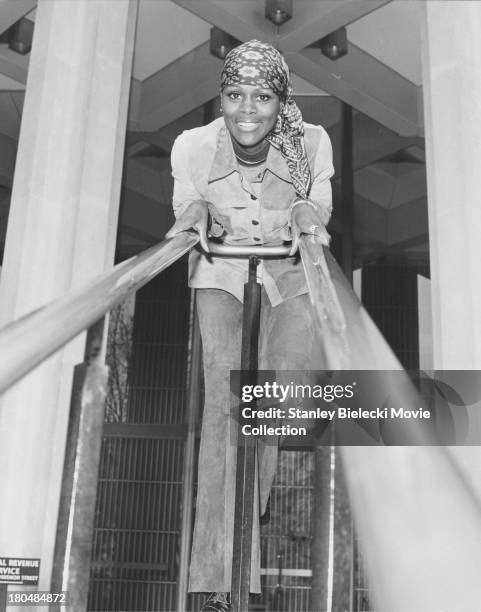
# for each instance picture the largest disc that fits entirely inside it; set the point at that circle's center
(375, 90)
(158, 139)
(408, 222)
(372, 142)
(312, 21)
(391, 190)
(230, 17)
(144, 180)
(179, 88)
(8, 153)
(131, 232)
(13, 65)
(143, 218)
(367, 153)
(11, 12)
(11, 104)
(374, 223)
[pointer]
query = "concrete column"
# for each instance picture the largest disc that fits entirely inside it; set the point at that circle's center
(415, 511)
(451, 54)
(61, 232)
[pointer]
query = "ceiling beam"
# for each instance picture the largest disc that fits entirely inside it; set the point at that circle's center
(8, 153)
(370, 219)
(400, 251)
(13, 65)
(392, 189)
(420, 239)
(179, 88)
(4, 203)
(367, 153)
(11, 104)
(218, 14)
(408, 221)
(374, 223)
(312, 21)
(380, 144)
(136, 141)
(142, 179)
(145, 214)
(11, 11)
(132, 232)
(376, 90)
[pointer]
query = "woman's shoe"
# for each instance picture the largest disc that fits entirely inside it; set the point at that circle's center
(216, 602)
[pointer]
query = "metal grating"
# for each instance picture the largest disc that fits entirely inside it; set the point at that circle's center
(137, 523)
(389, 293)
(361, 592)
(138, 511)
(287, 534)
(286, 539)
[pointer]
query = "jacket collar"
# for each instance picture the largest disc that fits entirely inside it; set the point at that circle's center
(224, 159)
(277, 164)
(225, 163)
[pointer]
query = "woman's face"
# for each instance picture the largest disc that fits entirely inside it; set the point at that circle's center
(250, 113)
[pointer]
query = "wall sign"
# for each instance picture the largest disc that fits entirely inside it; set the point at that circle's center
(14, 570)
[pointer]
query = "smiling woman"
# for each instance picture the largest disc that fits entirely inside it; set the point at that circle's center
(257, 175)
(250, 114)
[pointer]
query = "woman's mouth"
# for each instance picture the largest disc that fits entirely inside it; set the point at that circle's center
(247, 126)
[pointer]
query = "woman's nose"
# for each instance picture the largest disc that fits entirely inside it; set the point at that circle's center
(248, 105)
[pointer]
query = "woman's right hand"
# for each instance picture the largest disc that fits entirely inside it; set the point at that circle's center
(195, 217)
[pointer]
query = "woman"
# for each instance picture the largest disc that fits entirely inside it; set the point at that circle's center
(257, 175)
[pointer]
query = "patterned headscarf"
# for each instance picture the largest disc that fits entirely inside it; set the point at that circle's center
(260, 64)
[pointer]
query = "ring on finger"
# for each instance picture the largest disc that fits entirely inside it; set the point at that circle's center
(312, 229)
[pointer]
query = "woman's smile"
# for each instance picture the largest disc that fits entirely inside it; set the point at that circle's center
(248, 126)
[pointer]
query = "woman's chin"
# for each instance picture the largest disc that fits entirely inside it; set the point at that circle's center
(248, 141)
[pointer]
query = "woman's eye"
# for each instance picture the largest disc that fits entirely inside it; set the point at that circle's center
(264, 97)
(233, 95)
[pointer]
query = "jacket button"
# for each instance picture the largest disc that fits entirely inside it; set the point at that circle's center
(253, 197)
(254, 222)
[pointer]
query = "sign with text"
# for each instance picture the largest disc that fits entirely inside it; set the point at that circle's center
(14, 570)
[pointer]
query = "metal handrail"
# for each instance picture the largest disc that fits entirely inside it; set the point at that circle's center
(248, 250)
(31, 339)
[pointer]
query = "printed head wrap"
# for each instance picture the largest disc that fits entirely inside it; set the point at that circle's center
(260, 64)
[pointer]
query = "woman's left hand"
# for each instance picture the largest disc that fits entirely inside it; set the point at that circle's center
(305, 220)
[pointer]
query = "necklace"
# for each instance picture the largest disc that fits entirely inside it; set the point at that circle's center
(250, 159)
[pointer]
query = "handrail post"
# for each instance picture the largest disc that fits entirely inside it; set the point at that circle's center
(71, 566)
(246, 449)
(192, 411)
(3, 597)
(320, 529)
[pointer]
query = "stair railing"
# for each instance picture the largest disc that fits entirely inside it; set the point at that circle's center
(35, 337)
